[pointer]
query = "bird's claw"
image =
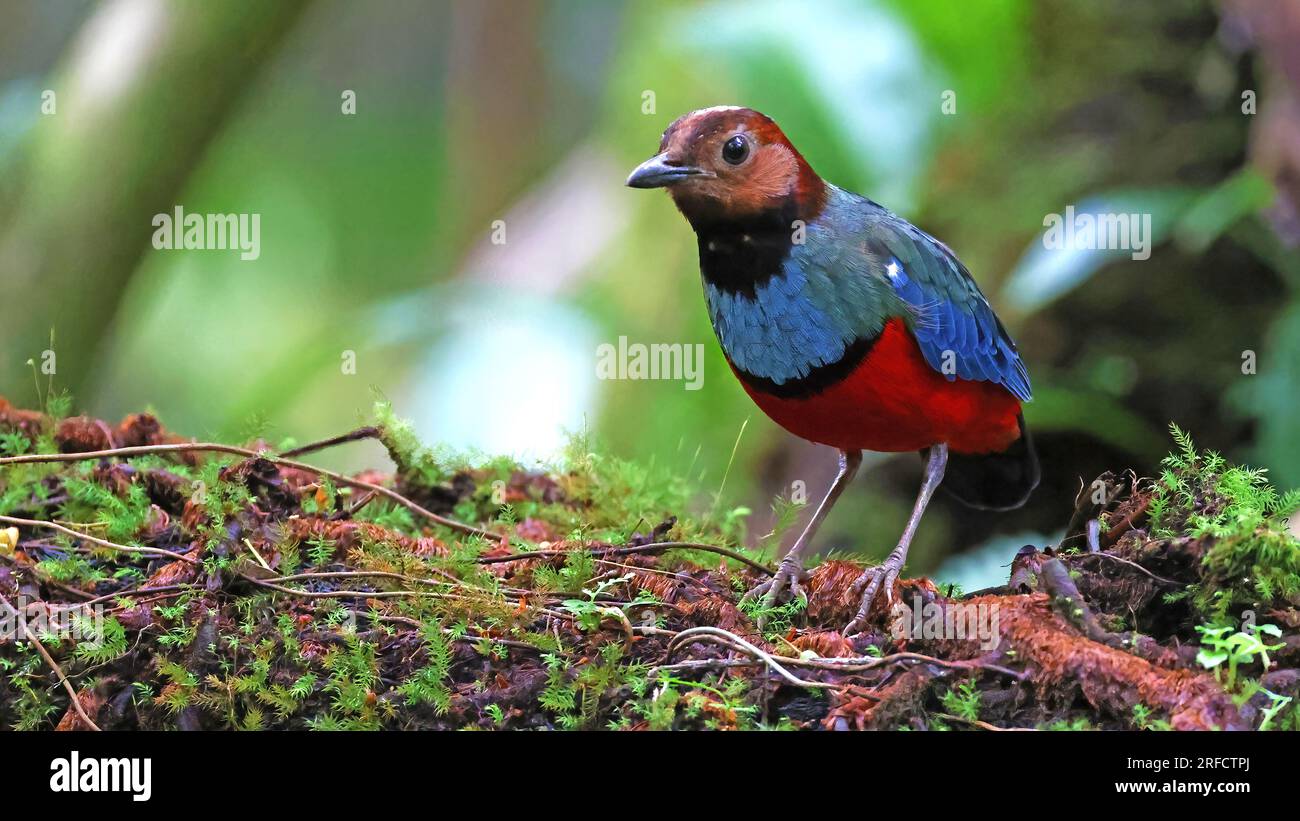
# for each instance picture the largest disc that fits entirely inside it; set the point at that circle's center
(788, 575)
(869, 584)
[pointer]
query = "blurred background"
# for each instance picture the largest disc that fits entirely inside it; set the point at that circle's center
(975, 120)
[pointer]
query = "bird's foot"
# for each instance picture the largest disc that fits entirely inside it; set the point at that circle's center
(870, 583)
(788, 577)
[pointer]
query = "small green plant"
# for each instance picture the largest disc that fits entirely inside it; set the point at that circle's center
(785, 513)
(660, 710)
(1079, 724)
(558, 696)
(32, 708)
(109, 644)
(575, 693)
(578, 571)
(320, 551)
(390, 516)
(72, 568)
(1143, 719)
(429, 684)
(726, 709)
(1223, 646)
(180, 688)
(13, 443)
(353, 672)
(1277, 703)
(963, 701)
(588, 612)
(778, 618)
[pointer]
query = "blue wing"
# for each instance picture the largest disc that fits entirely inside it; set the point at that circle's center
(954, 324)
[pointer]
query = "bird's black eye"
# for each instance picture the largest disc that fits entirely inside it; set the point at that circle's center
(735, 150)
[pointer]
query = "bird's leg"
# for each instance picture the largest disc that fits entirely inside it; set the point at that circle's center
(884, 574)
(791, 567)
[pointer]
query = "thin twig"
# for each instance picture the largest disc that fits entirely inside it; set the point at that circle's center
(668, 573)
(71, 591)
(143, 602)
(1128, 562)
(257, 555)
(627, 551)
(76, 534)
(345, 594)
(361, 501)
(368, 432)
(984, 725)
(727, 637)
(735, 642)
(858, 664)
(352, 574)
(167, 588)
(450, 581)
(468, 638)
(216, 447)
(1115, 532)
(848, 664)
(49, 660)
(703, 664)
(381, 594)
(707, 548)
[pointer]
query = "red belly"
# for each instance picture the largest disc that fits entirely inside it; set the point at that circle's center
(894, 401)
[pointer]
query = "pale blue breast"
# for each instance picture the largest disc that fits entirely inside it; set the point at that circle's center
(788, 328)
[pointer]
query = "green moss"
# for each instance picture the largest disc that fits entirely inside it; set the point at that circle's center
(1079, 724)
(1144, 718)
(429, 684)
(963, 700)
(1252, 558)
(121, 515)
(417, 465)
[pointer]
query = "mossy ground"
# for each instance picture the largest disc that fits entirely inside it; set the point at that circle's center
(247, 590)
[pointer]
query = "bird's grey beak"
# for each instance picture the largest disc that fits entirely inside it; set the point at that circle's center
(658, 172)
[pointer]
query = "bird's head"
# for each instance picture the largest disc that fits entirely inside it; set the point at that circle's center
(730, 164)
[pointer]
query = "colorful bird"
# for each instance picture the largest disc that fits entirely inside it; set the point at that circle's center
(847, 325)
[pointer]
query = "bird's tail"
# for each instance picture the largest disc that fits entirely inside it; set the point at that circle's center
(995, 481)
